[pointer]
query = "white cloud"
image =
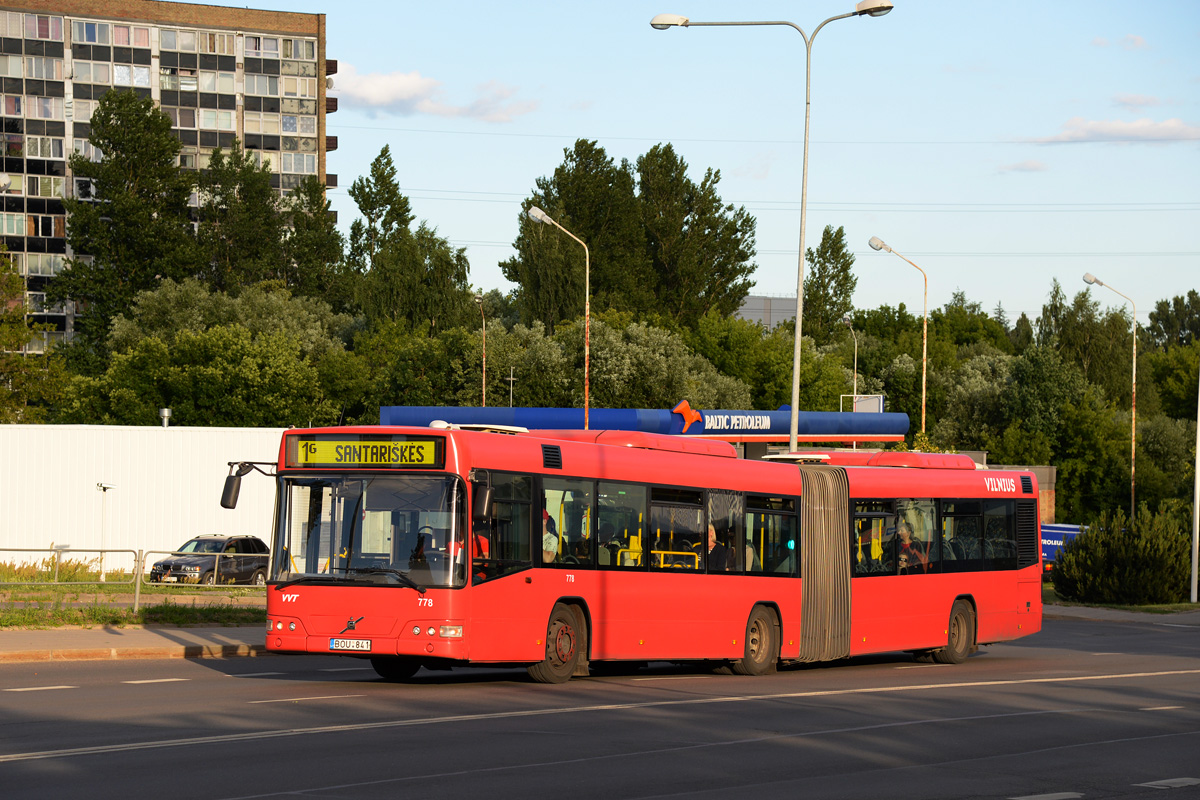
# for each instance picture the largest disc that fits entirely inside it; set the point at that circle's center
(1023, 166)
(1078, 129)
(1129, 42)
(410, 93)
(1135, 102)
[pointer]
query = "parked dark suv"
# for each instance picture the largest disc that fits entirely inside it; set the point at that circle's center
(243, 559)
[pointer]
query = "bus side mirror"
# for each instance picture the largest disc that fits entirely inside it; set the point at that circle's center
(229, 496)
(481, 509)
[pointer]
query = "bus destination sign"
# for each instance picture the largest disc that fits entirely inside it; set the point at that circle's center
(364, 452)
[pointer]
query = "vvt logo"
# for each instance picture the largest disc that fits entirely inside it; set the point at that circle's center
(290, 598)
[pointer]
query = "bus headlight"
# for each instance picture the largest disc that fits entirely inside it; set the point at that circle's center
(451, 631)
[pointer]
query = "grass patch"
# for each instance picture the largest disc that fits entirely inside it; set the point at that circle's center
(1051, 598)
(57, 614)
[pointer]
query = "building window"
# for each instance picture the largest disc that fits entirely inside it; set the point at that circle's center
(48, 69)
(43, 264)
(258, 122)
(89, 32)
(303, 163)
(13, 105)
(181, 117)
(42, 186)
(183, 80)
(126, 75)
(262, 47)
(48, 226)
(126, 36)
(299, 87)
(12, 224)
(217, 82)
(177, 40)
(299, 124)
(44, 147)
(304, 49)
(40, 26)
(10, 67)
(219, 120)
(219, 43)
(88, 150)
(92, 72)
(187, 158)
(263, 85)
(44, 107)
(83, 110)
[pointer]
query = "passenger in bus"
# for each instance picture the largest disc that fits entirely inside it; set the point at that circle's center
(720, 557)
(911, 556)
(549, 538)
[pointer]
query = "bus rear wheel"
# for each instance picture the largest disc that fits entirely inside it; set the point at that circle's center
(391, 668)
(761, 645)
(564, 640)
(960, 635)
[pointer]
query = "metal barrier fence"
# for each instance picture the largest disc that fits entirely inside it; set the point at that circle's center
(226, 569)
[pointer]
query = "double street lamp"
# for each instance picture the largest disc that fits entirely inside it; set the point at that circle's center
(1091, 280)
(870, 8)
(537, 215)
(878, 244)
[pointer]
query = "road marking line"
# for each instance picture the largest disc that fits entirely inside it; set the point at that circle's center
(1173, 625)
(542, 712)
(40, 688)
(1108, 654)
(922, 666)
(159, 680)
(673, 678)
(298, 699)
(255, 674)
(1171, 783)
(347, 669)
(1052, 796)
(1161, 708)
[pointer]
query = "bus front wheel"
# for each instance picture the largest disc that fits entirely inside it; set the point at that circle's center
(761, 644)
(960, 635)
(564, 640)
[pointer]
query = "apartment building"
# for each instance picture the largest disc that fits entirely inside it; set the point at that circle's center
(219, 73)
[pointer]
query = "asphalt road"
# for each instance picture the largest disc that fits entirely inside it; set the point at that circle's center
(1084, 709)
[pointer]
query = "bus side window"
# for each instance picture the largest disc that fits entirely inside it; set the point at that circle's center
(621, 514)
(919, 555)
(510, 530)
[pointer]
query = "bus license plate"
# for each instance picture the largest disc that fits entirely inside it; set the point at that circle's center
(349, 644)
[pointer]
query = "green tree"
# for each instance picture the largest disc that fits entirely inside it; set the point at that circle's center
(30, 382)
(169, 353)
(700, 249)
(1175, 322)
(133, 230)
(1175, 374)
(829, 285)
(314, 258)
(241, 227)
(593, 198)
(415, 276)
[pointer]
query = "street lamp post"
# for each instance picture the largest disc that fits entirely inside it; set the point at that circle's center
(483, 334)
(850, 324)
(538, 215)
(870, 8)
(878, 244)
(1091, 279)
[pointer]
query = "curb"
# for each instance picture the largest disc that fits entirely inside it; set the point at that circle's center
(117, 653)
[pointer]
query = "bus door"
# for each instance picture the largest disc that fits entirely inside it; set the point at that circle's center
(824, 563)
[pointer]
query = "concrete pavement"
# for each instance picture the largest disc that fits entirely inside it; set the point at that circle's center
(215, 641)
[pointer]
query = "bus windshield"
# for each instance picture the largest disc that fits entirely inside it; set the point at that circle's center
(378, 529)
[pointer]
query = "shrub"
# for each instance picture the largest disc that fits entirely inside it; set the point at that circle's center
(1114, 560)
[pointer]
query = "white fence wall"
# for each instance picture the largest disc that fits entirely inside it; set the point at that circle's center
(168, 486)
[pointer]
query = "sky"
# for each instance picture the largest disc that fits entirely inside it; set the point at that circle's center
(999, 146)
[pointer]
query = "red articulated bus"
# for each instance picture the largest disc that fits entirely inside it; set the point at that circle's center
(451, 546)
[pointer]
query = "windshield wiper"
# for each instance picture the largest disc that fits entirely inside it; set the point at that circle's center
(279, 587)
(400, 576)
